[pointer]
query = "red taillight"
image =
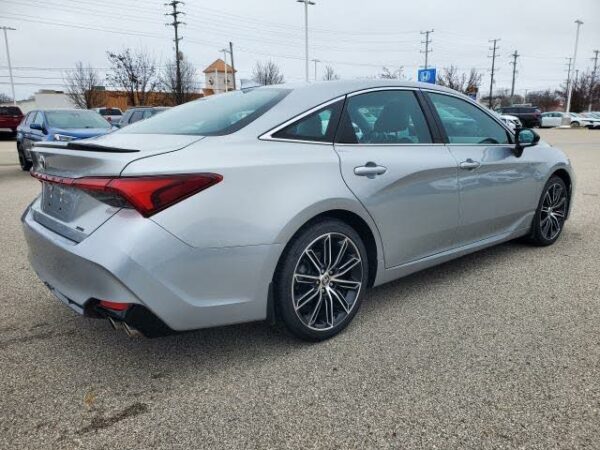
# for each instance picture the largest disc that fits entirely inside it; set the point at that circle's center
(114, 306)
(148, 195)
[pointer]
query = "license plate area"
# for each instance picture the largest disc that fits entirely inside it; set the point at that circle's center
(59, 201)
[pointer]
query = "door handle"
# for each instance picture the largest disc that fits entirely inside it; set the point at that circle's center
(370, 170)
(469, 164)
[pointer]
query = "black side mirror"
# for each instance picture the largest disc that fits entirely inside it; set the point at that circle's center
(525, 137)
(37, 126)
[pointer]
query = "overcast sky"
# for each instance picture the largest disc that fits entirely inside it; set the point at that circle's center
(356, 37)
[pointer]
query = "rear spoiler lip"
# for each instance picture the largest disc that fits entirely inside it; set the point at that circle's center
(85, 147)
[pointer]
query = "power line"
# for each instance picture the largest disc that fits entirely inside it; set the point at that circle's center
(494, 50)
(427, 41)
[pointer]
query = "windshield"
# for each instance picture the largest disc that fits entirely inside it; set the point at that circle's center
(215, 115)
(75, 119)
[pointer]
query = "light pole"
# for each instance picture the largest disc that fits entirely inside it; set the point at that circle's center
(570, 91)
(306, 3)
(316, 61)
(12, 83)
(225, 51)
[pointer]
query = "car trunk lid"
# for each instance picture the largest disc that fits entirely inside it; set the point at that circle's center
(75, 213)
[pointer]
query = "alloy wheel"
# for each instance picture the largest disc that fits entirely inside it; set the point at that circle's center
(553, 212)
(327, 281)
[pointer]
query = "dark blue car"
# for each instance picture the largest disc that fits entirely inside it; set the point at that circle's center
(57, 125)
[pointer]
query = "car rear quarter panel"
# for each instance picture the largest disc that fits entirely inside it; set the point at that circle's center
(269, 190)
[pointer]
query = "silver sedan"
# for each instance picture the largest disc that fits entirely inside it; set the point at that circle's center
(284, 203)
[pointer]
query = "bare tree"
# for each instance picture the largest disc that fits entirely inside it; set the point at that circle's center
(136, 73)
(547, 100)
(461, 82)
(81, 86)
(267, 73)
(168, 81)
(389, 74)
(5, 98)
(584, 89)
(330, 74)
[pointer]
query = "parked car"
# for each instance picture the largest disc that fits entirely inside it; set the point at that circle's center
(113, 115)
(10, 118)
(62, 125)
(592, 119)
(513, 122)
(284, 202)
(555, 119)
(530, 116)
(133, 115)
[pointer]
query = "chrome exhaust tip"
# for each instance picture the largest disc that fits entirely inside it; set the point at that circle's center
(115, 324)
(130, 331)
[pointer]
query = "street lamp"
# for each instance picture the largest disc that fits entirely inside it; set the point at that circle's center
(306, 3)
(12, 83)
(570, 88)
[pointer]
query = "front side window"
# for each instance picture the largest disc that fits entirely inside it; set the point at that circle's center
(136, 116)
(215, 115)
(384, 117)
(38, 119)
(465, 123)
(319, 126)
(73, 119)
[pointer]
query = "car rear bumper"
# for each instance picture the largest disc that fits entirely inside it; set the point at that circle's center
(133, 260)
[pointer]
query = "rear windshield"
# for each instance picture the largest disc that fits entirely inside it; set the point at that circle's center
(110, 112)
(215, 115)
(10, 111)
(75, 119)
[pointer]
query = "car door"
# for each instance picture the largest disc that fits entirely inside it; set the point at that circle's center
(497, 189)
(28, 133)
(404, 178)
(37, 135)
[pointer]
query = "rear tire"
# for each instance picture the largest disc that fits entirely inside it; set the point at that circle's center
(25, 165)
(549, 219)
(321, 279)
(575, 125)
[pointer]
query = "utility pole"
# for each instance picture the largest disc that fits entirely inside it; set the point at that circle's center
(10, 73)
(593, 82)
(494, 49)
(175, 24)
(427, 41)
(232, 64)
(570, 91)
(515, 55)
(225, 51)
(316, 61)
(306, 3)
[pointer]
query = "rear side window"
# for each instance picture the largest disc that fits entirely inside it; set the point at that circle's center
(136, 116)
(384, 117)
(465, 123)
(10, 111)
(110, 112)
(319, 126)
(215, 115)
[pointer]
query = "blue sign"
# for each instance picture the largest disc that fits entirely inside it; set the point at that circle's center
(427, 75)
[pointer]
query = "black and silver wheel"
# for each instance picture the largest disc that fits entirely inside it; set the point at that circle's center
(549, 219)
(321, 279)
(23, 162)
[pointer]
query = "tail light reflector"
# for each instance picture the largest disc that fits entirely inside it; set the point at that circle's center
(147, 194)
(115, 306)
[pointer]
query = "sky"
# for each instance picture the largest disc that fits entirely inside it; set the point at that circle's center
(357, 38)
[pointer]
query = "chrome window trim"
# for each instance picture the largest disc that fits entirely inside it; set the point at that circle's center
(383, 88)
(268, 136)
(403, 144)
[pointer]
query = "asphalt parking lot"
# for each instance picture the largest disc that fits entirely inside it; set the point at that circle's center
(499, 349)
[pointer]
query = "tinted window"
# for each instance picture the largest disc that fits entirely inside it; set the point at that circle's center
(75, 119)
(384, 117)
(10, 111)
(214, 115)
(28, 118)
(110, 112)
(466, 123)
(318, 126)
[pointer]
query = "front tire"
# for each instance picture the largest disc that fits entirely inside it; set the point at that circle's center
(25, 165)
(321, 279)
(575, 125)
(549, 219)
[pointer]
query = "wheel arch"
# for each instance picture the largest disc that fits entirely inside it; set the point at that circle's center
(564, 175)
(363, 226)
